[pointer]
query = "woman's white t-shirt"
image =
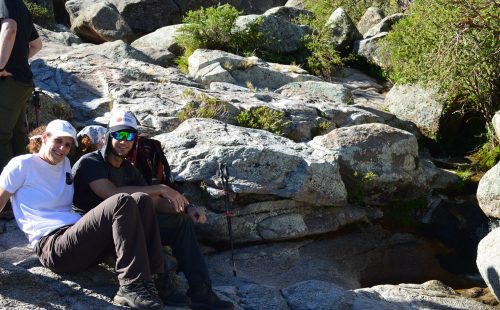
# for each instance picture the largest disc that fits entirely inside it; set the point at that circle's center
(42, 194)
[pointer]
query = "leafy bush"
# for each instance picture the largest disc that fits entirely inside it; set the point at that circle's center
(263, 118)
(454, 45)
(212, 28)
(41, 16)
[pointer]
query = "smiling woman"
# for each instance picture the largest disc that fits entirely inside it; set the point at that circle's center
(57, 140)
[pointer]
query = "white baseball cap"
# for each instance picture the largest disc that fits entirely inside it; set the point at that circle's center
(61, 128)
(122, 120)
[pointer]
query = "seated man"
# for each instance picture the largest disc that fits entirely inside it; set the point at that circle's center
(106, 172)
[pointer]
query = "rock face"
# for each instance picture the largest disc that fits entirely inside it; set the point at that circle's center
(488, 192)
(488, 252)
(422, 106)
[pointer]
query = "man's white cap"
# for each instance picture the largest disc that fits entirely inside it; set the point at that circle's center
(122, 120)
(61, 128)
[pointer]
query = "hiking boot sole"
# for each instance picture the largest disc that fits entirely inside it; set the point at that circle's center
(122, 301)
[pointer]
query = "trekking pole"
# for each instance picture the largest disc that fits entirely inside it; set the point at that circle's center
(36, 103)
(224, 176)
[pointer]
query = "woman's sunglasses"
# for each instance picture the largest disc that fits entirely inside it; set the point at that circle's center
(123, 135)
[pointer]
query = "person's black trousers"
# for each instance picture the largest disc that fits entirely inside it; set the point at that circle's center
(178, 232)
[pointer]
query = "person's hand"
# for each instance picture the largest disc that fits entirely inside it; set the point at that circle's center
(5, 73)
(197, 214)
(174, 197)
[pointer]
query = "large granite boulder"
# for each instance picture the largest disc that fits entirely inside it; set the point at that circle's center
(99, 22)
(139, 16)
(378, 162)
(422, 106)
(487, 261)
(488, 192)
(280, 36)
(260, 163)
(343, 32)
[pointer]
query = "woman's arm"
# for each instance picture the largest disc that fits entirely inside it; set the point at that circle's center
(4, 197)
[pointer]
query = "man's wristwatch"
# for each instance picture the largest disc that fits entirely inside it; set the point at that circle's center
(2, 69)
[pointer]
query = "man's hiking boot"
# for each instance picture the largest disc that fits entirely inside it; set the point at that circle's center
(137, 296)
(168, 292)
(203, 297)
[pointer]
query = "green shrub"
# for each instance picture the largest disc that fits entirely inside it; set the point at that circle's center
(182, 63)
(453, 45)
(263, 118)
(41, 16)
(211, 28)
(202, 106)
(322, 128)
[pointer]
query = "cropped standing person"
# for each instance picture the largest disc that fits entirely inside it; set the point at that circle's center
(19, 41)
(40, 187)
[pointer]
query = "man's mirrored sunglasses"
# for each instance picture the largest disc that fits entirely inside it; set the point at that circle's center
(123, 135)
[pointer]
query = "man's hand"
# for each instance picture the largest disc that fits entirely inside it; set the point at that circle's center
(197, 214)
(5, 73)
(174, 197)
